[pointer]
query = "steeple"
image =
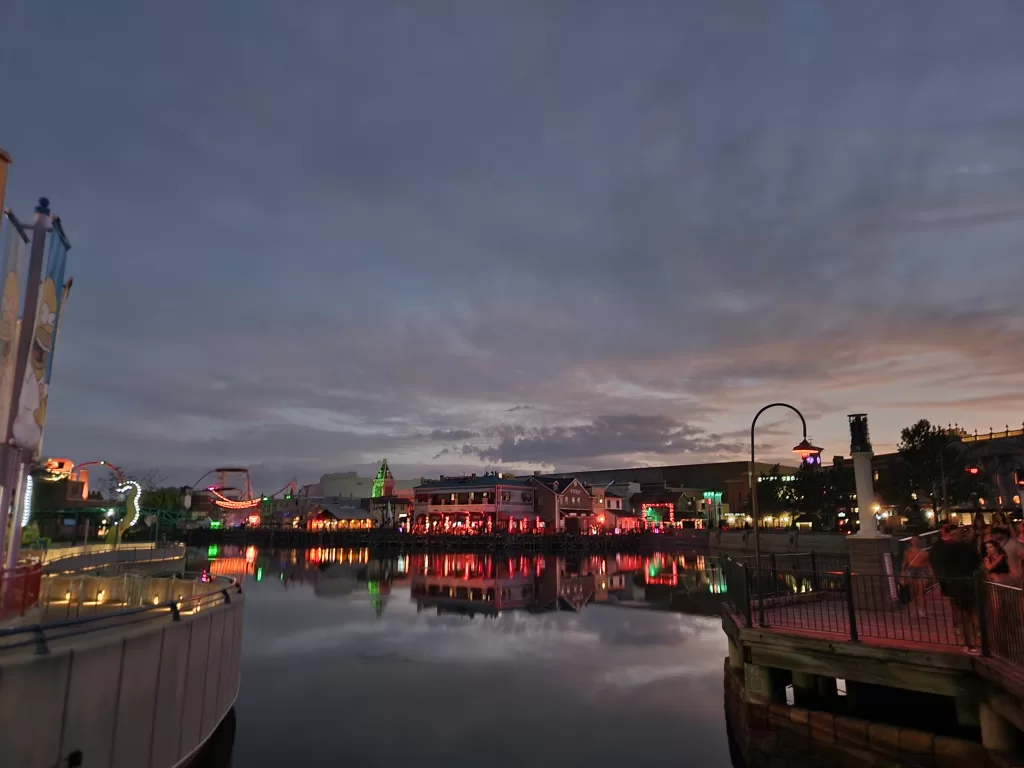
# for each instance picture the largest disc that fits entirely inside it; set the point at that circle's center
(384, 483)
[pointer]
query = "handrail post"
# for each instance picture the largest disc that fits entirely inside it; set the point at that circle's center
(814, 573)
(746, 591)
(41, 647)
(850, 609)
(979, 601)
(175, 614)
(227, 597)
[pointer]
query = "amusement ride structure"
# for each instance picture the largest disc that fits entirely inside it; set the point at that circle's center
(242, 498)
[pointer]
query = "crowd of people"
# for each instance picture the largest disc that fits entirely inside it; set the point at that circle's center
(996, 550)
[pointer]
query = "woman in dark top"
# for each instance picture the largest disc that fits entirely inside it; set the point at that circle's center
(996, 567)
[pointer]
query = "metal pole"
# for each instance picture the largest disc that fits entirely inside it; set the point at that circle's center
(40, 227)
(942, 473)
(5, 161)
(5, 492)
(9, 457)
(14, 545)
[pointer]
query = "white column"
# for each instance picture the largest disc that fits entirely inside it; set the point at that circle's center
(865, 495)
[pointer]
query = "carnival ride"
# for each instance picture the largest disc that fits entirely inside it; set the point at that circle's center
(112, 528)
(244, 499)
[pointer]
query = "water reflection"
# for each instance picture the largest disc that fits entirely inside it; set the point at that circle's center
(483, 584)
(454, 659)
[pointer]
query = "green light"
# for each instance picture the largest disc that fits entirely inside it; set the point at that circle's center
(282, 575)
(259, 573)
(212, 551)
(214, 525)
(373, 587)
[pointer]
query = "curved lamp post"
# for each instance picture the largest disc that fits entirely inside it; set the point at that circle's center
(804, 450)
(942, 475)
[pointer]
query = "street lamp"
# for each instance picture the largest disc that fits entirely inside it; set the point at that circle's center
(803, 449)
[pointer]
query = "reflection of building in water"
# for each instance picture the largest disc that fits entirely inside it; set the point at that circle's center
(336, 580)
(471, 584)
(488, 584)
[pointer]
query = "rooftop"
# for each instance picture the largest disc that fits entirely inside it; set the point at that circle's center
(488, 480)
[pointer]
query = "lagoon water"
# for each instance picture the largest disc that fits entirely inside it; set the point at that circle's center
(354, 659)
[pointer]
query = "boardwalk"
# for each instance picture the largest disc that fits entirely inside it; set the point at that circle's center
(828, 614)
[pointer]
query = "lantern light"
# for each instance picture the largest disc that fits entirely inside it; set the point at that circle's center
(805, 450)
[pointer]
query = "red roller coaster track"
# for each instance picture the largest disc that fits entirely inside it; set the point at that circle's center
(247, 501)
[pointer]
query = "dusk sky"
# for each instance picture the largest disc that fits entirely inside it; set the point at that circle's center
(519, 235)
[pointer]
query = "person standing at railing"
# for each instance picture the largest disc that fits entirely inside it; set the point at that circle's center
(978, 533)
(996, 567)
(955, 560)
(916, 575)
(1012, 550)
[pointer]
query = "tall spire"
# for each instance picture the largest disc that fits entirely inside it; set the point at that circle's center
(384, 483)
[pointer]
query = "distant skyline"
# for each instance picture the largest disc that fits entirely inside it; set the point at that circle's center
(567, 235)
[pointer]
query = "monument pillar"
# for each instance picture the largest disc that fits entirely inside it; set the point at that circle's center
(869, 549)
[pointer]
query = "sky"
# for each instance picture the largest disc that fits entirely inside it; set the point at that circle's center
(531, 235)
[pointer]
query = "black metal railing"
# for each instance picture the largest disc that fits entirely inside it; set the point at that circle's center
(41, 635)
(911, 609)
(1003, 607)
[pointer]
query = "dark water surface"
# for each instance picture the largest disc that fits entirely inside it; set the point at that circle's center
(469, 660)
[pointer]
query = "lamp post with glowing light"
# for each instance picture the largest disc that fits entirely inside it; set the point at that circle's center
(804, 450)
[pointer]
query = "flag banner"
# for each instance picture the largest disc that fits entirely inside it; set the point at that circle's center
(13, 239)
(31, 416)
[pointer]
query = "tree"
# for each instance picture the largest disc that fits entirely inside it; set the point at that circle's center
(148, 479)
(916, 473)
(773, 494)
(166, 498)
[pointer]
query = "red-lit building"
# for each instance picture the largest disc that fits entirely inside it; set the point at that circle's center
(470, 503)
(564, 504)
(471, 583)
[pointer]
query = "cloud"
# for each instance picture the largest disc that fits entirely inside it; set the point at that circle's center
(414, 250)
(606, 436)
(452, 434)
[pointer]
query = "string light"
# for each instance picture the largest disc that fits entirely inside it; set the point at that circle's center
(126, 486)
(26, 513)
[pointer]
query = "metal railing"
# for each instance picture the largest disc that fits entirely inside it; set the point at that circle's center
(1003, 607)
(41, 635)
(19, 589)
(899, 609)
(118, 558)
(74, 595)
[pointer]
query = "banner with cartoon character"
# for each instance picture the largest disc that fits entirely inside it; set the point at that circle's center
(13, 239)
(31, 416)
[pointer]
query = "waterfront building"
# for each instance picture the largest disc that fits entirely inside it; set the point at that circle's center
(333, 517)
(342, 486)
(465, 503)
(729, 477)
(664, 507)
(564, 504)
